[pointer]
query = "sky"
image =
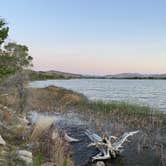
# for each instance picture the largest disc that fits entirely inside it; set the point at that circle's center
(90, 36)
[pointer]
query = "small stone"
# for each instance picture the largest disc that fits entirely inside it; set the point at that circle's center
(100, 163)
(24, 120)
(5, 108)
(24, 153)
(4, 94)
(27, 160)
(2, 141)
(55, 135)
(25, 156)
(48, 164)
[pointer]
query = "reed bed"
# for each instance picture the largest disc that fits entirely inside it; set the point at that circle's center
(50, 147)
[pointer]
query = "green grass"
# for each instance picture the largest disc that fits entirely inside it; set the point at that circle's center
(38, 159)
(122, 107)
(127, 109)
(119, 109)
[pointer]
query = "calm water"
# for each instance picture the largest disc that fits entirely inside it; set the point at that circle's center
(145, 92)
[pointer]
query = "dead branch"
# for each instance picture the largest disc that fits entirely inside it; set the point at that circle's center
(108, 149)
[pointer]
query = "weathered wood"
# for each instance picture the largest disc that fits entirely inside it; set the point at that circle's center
(108, 149)
(70, 139)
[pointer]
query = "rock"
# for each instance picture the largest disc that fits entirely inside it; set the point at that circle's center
(55, 135)
(100, 163)
(2, 141)
(24, 120)
(5, 107)
(4, 94)
(48, 164)
(27, 160)
(25, 156)
(24, 153)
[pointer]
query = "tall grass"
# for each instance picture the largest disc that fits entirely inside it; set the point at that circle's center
(42, 124)
(121, 115)
(50, 148)
(54, 99)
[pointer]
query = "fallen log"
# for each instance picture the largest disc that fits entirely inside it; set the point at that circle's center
(107, 148)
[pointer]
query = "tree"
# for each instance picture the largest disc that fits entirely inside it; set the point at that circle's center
(20, 55)
(13, 57)
(3, 31)
(7, 64)
(4, 59)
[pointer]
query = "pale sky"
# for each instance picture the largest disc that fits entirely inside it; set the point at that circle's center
(90, 36)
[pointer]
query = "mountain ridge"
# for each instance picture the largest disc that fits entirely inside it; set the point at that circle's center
(53, 74)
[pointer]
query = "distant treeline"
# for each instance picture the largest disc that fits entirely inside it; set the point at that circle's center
(43, 75)
(46, 75)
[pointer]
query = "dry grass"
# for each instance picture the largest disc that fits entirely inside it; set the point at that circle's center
(71, 99)
(52, 147)
(51, 99)
(7, 116)
(55, 150)
(61, 153)
(123, 116)
(42, 124)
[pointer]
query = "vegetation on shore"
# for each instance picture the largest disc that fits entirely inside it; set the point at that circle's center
(16, 144)
(53, 99)
(20, 134)
(69, 100)
(122, 116)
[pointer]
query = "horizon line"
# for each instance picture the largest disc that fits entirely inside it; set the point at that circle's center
(95, 74)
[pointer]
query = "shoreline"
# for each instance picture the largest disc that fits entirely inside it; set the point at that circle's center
(114, 118)
(82, 103)
(148, 93)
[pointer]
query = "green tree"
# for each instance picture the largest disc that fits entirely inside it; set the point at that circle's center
(20, 55)
(7, 64)
(14, 58)
(3, 31)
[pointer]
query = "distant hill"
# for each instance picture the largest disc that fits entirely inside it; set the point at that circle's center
(45, 75)
(136, 76)
(124, 75)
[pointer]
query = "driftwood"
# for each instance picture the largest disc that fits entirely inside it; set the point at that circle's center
(109, 147)
(70, 139)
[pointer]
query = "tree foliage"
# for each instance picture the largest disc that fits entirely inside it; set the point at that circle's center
(13, 57)
(20, 55)
(3, 31)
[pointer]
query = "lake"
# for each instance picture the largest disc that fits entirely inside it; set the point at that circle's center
(144, 92)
